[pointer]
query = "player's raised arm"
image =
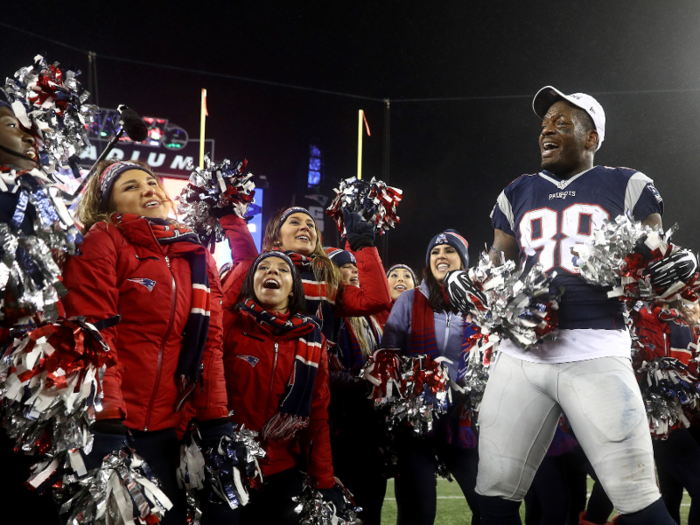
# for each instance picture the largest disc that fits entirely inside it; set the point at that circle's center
(503, 245)
(653, 220)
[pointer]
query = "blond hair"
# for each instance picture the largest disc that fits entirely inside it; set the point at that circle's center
(90, 209)
(323, 268)
(361, 327)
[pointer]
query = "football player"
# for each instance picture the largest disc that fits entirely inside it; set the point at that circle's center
(586, 371)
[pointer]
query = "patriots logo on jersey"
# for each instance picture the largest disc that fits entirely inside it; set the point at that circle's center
(654, 192)
(249, 359)
(148, 283)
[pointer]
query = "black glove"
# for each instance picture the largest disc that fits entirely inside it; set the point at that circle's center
(678, 267)
(463, 293)
(213, 430)
(109, 435)
(360, 233)
(334, 495)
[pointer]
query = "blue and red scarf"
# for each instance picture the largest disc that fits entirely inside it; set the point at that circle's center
(294, 411)
(318, 303)
(197, 326)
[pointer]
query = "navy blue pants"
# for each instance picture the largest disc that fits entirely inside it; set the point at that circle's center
(547, 501)
(273, 504)
(416, 487)
(678, 463)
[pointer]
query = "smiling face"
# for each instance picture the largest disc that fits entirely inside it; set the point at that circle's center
(13, 137)
(140, 193)
(443, 258)
(298, 233)
(272, 284)
(567, 142)
(400, 280)
(349, 273)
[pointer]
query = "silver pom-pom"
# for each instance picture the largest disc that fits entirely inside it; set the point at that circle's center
(51, 103)
(505, 301)
(213, 192)
(314, 510)
(374, 201)
(410, 391)
(123, 490)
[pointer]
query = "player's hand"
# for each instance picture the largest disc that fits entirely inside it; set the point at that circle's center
(679, 267)
(463, 292)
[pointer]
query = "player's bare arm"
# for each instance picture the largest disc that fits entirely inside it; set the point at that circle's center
(503, 244)
(653, 220)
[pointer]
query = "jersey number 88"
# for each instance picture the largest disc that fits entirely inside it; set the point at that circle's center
(554, 233)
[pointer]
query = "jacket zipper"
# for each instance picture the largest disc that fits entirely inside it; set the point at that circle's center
(161, 350)
(665, 346)
(272, 380)
(253, 337)
(447, 333)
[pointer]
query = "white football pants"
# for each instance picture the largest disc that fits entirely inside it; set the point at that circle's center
(600, 397)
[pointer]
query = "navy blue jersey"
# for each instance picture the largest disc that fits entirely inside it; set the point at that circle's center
(548, 216)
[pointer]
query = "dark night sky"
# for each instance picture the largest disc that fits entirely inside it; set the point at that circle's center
(451, 158)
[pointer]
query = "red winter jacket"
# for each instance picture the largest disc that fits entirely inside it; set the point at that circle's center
(370, 298)
(125, 271)
(258, 366)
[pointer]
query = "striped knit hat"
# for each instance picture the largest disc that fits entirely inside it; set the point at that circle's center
(340, 257)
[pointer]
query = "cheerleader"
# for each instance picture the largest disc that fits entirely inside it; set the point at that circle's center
(670, 332)
(423, 322)
(359, 440)
(277, 382)
(153, 290)
(295, 232)
(401, 278)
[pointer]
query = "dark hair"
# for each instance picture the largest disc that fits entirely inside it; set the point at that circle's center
(297, 302)
(435, 297)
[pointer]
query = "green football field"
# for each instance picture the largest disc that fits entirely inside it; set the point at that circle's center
(452, 508)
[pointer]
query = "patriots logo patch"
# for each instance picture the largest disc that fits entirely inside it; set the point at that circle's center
(249, 359)
(441, 239)
(148, 283)
(654, 192)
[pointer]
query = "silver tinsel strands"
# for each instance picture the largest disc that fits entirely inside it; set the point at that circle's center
(668, 389)
(223, 472)
(512, 303)
(213, 192)
(409, 391)
(630, 258)
(51, 103)
(314, 510)
(123, 490)
(51, 386)
(374, 201)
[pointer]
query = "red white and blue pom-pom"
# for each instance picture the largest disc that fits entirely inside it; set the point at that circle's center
(51, 386)
(637, 262)
(213, 192)
(410, 391)
(124, 489)
(374, 201)
(669, 389)
(506, 301)
(223, 472)
(314, 510)
(51, 103)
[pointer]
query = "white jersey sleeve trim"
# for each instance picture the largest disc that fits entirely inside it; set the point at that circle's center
(506, 209)
(635, 187)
